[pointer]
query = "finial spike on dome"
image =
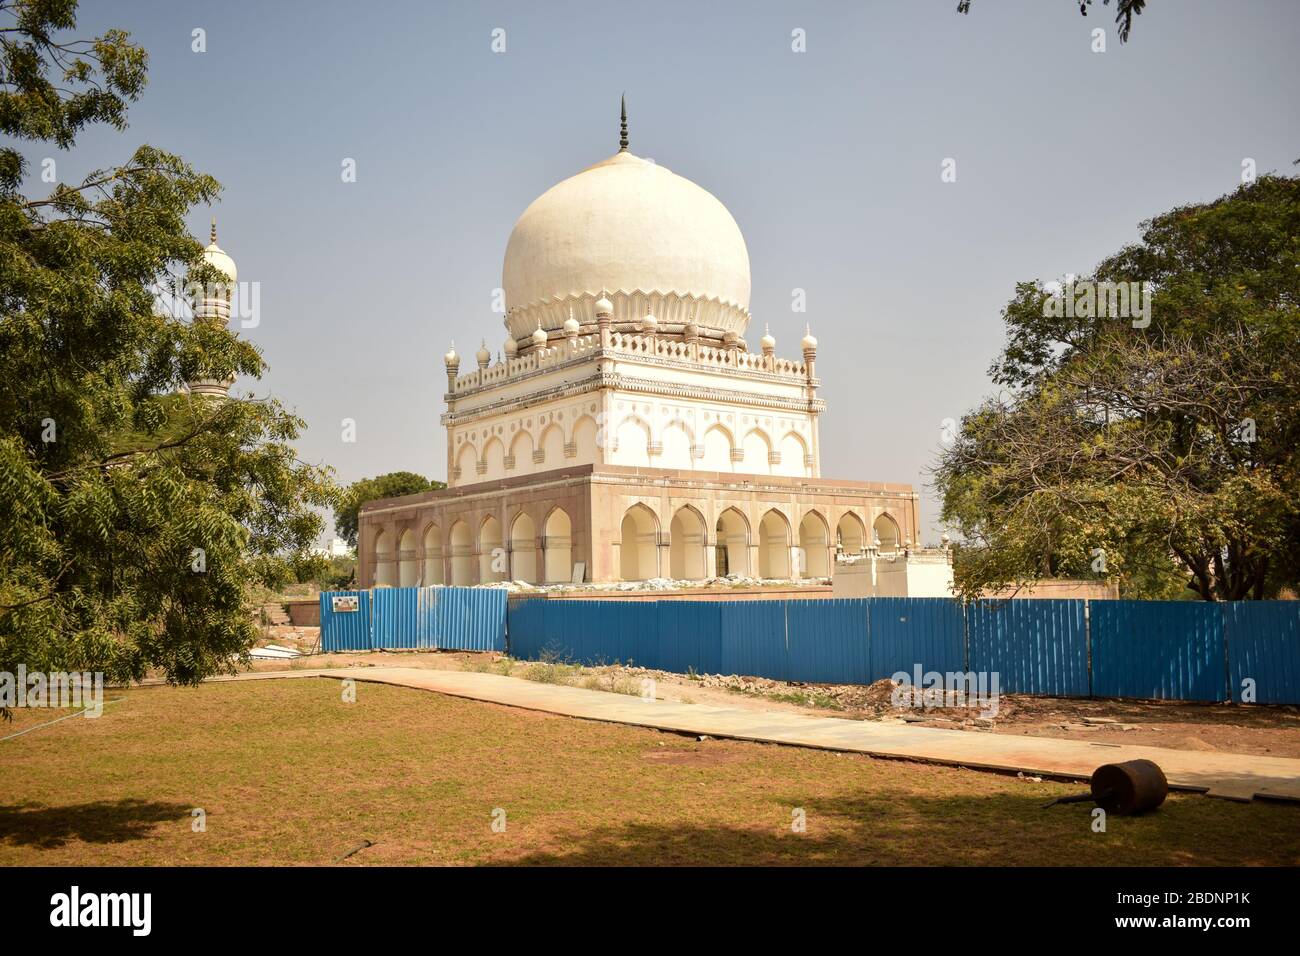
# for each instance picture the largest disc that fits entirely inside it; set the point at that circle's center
(214, 230)
(622, 139)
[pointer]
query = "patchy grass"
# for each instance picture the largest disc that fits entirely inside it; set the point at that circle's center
(552, 671)
(800, 698)
(287, 773)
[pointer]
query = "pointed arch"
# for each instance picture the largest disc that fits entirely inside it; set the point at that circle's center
(718, 443)
(491, 551)
(521, 450)
(794, 452)
(852, 534)
(774, 545)
(461, 545)
(467, 463)
(814, 546)
(586, 436)
(677, 440)
(557, 546)
(758, 449)
(687, 540)
(639, 544)
(552, 446)
(523, 548)
(385, 566)
(887, 536)
(632, 442)
(408, 560)
(494, 459)
(732, 555)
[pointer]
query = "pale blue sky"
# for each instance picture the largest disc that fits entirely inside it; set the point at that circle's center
(829, 160)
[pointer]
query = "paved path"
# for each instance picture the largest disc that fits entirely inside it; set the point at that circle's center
(1235, 776)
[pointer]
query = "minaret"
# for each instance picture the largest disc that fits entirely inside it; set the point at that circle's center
(809, 346)
(212, 305)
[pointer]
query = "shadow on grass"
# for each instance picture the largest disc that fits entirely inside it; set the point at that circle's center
(31, 824)
(915, 830)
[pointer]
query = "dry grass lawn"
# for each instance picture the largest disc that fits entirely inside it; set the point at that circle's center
(287, 773)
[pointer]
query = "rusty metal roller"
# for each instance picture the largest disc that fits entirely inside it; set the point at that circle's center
(1134, 786)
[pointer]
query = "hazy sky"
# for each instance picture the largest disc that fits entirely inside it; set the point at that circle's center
(828, 159)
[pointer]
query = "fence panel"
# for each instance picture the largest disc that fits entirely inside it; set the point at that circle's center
(906, 632)
(829, 641)
(468, 619)
(1034, 646)
(690, 636)
(525, 627)
(345, 630)
(586, 632)
(1264, 645)
(393, 621)
(1170, 650)
(753, 639)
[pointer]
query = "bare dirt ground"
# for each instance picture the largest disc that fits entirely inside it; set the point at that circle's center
(1271, 730)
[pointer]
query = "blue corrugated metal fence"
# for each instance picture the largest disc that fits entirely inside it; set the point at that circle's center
(469, 619)
(1172, 650)
(348, 627)
(1168, 650)
(1035, 647)
(1263, 640)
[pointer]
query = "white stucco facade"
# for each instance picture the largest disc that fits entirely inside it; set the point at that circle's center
(625, 430)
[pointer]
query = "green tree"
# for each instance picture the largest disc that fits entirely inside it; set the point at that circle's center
(392, 485)
(134, 517)
(1162, 450)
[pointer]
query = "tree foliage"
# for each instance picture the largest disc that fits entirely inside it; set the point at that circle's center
(1125, 11)
(390, 485)
(1163, 455)
(133, 517)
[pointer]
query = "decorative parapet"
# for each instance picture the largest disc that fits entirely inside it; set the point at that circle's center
(509, 462)
(774, 458)
(570, 449)
(631, 345)
(655, 448)
(539, 456)
(737, 454)
(809, 460)
(481, 467)
(697, 451)
(706, 355)
(534, 361)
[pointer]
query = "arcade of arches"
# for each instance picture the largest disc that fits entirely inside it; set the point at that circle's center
(589, 530)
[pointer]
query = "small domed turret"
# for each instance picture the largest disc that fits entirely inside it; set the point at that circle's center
(483, 355)
(571, 326)
(768, 341)
(451, 359)
(539, 336)
(809, 342)
(511, 347)
(216, 257)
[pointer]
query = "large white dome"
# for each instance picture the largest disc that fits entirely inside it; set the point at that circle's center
(636, 232)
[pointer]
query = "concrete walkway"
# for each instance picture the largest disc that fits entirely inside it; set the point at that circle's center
(1234, 776)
